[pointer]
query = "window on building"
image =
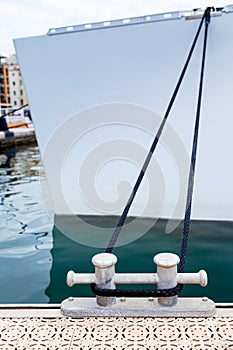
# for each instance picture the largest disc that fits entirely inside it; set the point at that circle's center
(14, 93)
(9, 99)
(7, 81)
(21, 92)
(13, 83)
(8, 90)
(21, 102)
(13, 74)
(15, 103)
(20, 82)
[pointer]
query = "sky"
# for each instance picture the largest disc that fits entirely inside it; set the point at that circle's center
(23, 18)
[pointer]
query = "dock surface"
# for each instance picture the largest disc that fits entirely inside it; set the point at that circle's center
(21, 329)
(17, 136)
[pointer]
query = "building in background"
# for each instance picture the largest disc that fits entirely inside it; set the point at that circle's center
(4, 83)
(12, 93)
(17, 92)
(2, 90)
(7, 96)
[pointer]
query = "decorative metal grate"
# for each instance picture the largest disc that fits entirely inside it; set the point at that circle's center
(116, 333)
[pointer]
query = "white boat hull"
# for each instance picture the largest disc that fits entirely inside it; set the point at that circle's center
(97, 96)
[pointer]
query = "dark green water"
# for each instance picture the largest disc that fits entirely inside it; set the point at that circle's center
(35, 255)
(210, 248)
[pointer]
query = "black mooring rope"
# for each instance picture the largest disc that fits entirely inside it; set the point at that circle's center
(136, 293)
(124, 214)
(188, 209)
(177, 289)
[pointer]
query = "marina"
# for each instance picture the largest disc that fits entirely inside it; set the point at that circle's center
(82, 266)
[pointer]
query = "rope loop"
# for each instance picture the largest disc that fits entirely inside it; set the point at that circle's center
(137, 292)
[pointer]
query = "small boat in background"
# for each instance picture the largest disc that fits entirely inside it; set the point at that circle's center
(16, 127)
(16, 118)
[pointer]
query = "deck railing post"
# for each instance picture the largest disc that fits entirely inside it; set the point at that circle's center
(104, 273)
(167, 275)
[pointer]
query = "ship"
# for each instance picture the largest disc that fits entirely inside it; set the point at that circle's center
(97, 94)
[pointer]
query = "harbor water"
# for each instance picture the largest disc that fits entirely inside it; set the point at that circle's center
(36, 254)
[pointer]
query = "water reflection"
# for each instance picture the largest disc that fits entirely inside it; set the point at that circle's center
(5, 157)
(25, 230)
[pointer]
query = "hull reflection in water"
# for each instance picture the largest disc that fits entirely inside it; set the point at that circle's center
(210, 248)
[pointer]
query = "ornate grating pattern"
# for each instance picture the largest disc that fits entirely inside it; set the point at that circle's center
(116, 333)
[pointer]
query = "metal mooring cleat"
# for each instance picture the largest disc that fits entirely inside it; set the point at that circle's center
(166, 277)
